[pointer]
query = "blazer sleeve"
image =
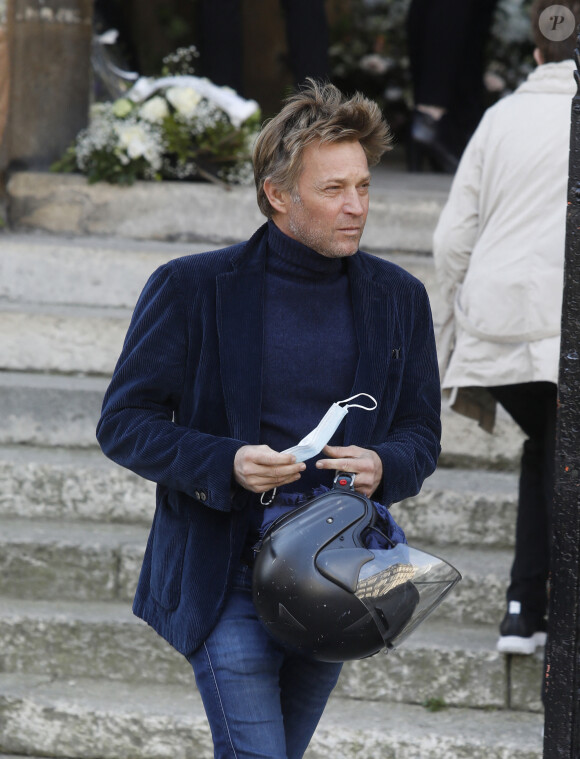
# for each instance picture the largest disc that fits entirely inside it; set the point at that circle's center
(411, 446)
(137, 428)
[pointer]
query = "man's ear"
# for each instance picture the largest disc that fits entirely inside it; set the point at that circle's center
(538, 56)
(278, 198)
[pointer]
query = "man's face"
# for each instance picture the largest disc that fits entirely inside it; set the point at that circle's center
(329, 208)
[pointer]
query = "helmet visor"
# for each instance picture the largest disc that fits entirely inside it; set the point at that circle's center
(401, 586)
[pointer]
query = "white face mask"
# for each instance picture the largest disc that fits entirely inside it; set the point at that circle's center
(317, 438)
(315, 441)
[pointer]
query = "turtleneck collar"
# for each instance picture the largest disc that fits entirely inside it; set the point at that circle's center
(293, 258)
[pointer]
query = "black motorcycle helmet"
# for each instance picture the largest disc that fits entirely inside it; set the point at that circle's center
(320, 590)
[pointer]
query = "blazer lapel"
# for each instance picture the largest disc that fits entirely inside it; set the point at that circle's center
(240, 332)
(372, 314)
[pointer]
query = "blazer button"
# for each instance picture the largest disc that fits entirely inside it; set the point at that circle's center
(202, 496)
(196, 494)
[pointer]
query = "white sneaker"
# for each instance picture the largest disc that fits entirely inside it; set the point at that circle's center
(521, 633)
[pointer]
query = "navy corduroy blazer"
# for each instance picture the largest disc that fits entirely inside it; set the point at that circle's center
(185, 395)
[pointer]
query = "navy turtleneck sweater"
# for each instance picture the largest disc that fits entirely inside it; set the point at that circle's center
(310, 347)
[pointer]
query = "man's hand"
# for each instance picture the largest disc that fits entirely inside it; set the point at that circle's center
(259, 468)
(364, 463)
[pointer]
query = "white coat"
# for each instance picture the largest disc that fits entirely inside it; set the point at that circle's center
(500, 241)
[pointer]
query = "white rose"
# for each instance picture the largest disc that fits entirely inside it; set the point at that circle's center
(122, 108)
(133, 139)
(154, 110)
(184, 99)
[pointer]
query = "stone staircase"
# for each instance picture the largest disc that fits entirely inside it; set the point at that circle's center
(80, 677)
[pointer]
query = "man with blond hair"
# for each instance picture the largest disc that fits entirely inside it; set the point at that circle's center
(232, 356)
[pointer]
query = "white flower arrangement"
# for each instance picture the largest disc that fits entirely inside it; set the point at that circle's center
(172, 127)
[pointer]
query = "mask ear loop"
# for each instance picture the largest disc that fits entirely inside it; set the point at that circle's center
(358, 405)
(267, 503)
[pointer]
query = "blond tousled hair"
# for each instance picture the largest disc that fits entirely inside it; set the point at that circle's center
(316, 113)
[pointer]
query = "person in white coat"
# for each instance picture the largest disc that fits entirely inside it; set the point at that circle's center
(499, 255)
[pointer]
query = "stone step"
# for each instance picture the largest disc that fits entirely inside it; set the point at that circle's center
(463, 507)
(479, 598)
(441, 662)
(71, 484)
(467, 507)
(111, 272)
(89, 561)
(61, 410)
(403, 212)
(70, 560)
(60, 337)
(48, 410)
(78, 718)
(107, 272)
(465, 444)
(456, 665)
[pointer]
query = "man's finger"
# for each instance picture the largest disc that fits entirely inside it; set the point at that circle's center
(342, 464)
(271, 458)
(337, 451)
(348, 465)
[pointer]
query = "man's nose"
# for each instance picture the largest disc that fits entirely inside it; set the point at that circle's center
(353, 203)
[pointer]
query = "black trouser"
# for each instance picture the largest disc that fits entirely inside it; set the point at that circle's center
(446, 42)
(222, 48)
(533, 407)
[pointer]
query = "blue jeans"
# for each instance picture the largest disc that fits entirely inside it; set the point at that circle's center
(262, 700)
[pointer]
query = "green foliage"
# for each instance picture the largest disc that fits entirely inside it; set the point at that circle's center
(434, 704)
(68, 163)
(105, 165)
